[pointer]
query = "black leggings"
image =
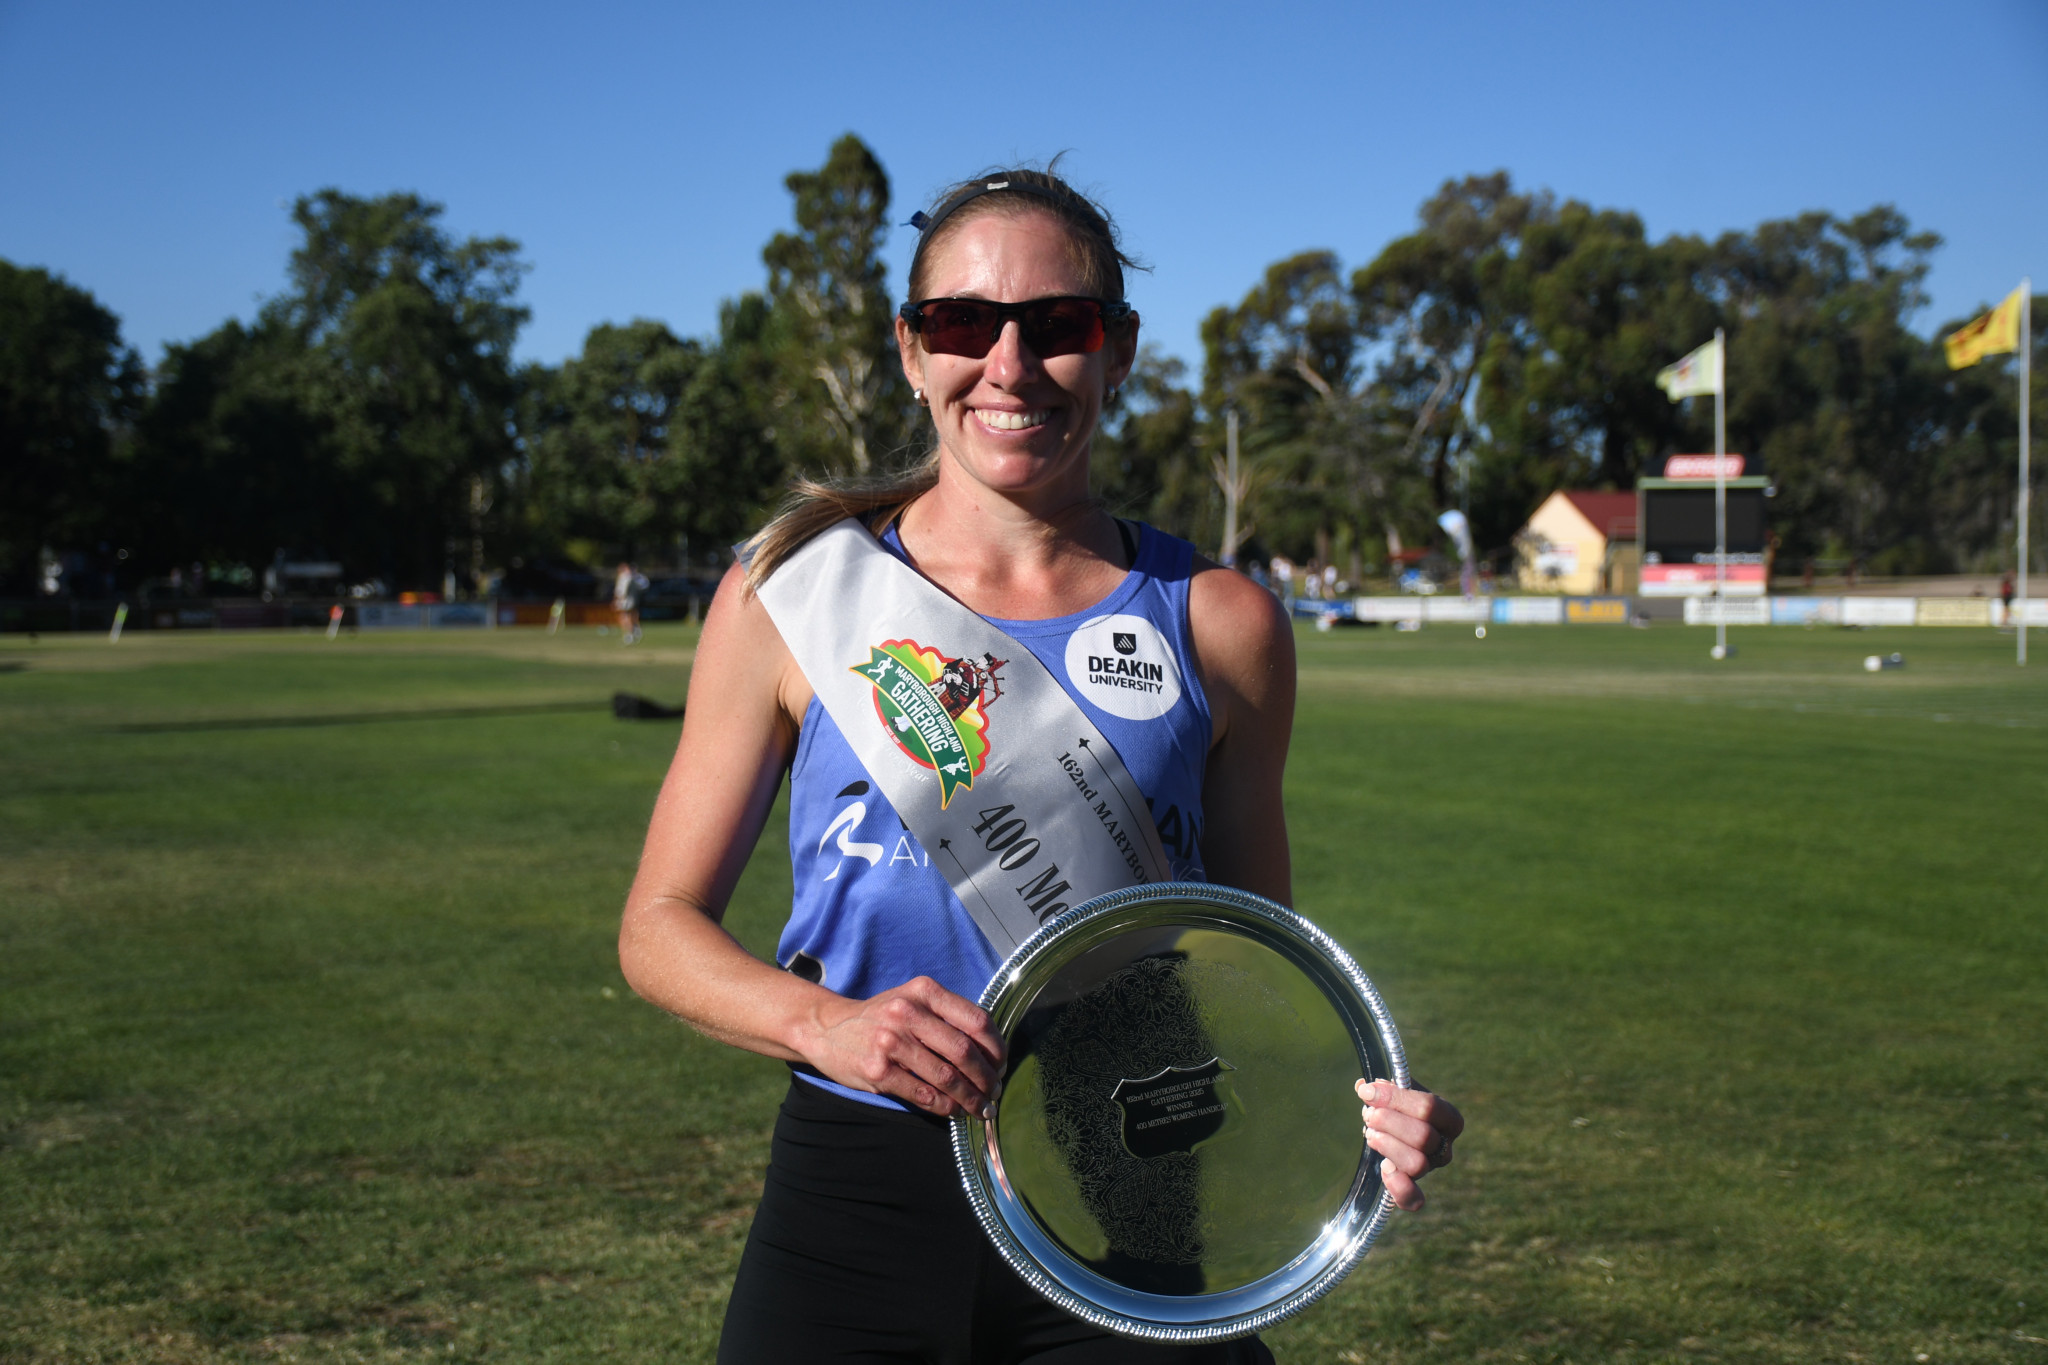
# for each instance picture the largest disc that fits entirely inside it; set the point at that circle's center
(864, 1249)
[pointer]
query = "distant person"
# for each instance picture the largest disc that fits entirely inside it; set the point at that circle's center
(626, 590)
(2005, 595)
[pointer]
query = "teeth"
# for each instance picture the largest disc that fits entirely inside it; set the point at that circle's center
(1011, 421)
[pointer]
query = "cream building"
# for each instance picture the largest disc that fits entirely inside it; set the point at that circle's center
(1580, 544)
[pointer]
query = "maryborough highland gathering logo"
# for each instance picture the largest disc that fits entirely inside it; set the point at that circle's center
(935, 708)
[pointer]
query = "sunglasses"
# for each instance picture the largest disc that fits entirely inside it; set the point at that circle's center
(1056, 326)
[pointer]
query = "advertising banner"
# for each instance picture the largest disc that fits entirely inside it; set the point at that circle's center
(1806, 611)
(183, 618)
(1323, 609)
(460, 615)
(1878, 611)
(2032, 610)
(425, 616)
(1694, 580)
(1604, 611)
(1528, 611)
(1954, 611)
(250, 615)
(1727, 611)
(389, 616)
(1386, 608)
(1703, 467)
(1470, 610)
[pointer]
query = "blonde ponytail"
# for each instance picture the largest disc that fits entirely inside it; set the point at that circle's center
(812, 505)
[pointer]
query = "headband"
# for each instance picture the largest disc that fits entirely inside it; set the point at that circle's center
(926, 223)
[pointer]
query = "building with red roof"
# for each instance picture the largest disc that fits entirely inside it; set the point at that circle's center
(1580, 543)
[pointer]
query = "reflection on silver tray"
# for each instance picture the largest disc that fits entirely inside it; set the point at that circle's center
(1176, 1154)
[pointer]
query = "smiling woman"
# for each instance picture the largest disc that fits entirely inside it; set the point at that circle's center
(930, 645)
(1081, 237)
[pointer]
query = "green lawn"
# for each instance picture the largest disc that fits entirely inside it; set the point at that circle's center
(313, 1045)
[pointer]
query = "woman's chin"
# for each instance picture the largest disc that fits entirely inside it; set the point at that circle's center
(1021, 474)
(1019, 462)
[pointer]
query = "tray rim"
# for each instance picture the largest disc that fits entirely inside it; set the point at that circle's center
(969, 1133)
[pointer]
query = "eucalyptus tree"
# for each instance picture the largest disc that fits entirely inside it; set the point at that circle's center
(236, 460)
(599, 464)
(841, 403)
(69, 388)
(724, 439)
(1827, 382)
(1435, 302)
(1284, 357)
(411, 331)
(1589, 310)
(1148, 459)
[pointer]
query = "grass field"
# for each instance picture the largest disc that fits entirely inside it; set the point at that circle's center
(313, 1045)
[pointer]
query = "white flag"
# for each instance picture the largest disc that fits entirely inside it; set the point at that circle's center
(1698, 373)
(1459, 530)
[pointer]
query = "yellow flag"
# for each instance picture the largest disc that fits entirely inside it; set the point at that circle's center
(1997, 332)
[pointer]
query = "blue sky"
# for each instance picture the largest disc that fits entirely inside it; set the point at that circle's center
(149, 152)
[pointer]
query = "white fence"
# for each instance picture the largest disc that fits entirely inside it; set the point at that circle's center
(1701, 611)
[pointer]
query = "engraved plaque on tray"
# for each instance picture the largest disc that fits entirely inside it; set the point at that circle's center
(1176, 1152)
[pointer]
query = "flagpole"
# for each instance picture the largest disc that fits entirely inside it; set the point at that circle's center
(1721, 497)
(2026, 374)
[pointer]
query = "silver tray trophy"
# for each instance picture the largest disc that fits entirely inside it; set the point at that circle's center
(1176, 1153)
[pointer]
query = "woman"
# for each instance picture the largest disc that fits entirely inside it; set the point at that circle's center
(864, 1246)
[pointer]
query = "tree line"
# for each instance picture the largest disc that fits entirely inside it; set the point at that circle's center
(372, 412)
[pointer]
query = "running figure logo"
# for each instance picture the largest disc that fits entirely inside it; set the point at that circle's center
(935, 708)
(843, 825)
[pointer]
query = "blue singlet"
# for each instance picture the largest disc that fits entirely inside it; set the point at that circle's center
(870, 910)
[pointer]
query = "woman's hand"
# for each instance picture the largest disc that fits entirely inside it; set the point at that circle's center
(918, 1042)
(1412, 1131)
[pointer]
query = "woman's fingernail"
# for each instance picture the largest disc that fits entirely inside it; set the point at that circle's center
(1386, 1168)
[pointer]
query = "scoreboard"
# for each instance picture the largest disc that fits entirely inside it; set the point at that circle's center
(1676, 514)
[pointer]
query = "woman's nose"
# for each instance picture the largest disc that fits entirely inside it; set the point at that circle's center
(1010, 359)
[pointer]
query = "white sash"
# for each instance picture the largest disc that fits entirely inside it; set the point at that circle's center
(1014, 793)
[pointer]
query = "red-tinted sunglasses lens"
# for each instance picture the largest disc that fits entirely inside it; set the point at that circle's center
(1050, 327)
(1063, 327)
(958, 327)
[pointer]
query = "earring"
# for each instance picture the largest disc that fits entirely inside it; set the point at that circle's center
(1110, 397)
(917, 396)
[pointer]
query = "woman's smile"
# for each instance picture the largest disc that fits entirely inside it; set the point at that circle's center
(1009, 419)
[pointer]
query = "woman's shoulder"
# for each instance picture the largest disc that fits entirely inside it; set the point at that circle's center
(1243, 641)
(1222, 600)
(742, 647)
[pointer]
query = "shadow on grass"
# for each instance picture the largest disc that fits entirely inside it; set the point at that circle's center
(354, 717)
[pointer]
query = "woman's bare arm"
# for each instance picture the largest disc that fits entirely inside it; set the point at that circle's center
(1245, 649)
(918, 1042)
